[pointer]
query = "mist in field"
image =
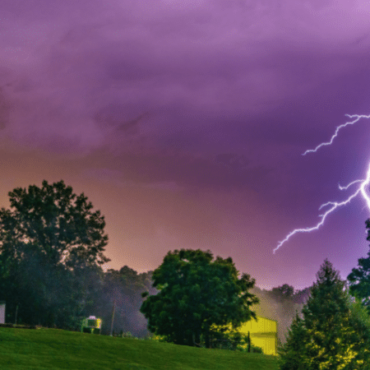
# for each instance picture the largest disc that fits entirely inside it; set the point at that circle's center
(280, 304)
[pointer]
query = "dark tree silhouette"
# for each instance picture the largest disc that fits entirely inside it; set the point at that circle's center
(51, 247)
(359, 278)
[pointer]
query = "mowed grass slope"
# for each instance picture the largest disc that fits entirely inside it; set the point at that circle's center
(59, 349)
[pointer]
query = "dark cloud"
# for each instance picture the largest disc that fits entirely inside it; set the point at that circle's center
(226, 172)
(145, 56)
(193, 97)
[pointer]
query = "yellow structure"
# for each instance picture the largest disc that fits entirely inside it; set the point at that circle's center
(91, 325)
(263, 334)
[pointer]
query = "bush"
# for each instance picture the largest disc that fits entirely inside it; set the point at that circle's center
(234, 341)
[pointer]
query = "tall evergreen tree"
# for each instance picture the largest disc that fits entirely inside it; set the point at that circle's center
(359, 278)
(333, 332)
(293, 355)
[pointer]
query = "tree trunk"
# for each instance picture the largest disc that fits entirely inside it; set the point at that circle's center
(207, 340)
(197, 339)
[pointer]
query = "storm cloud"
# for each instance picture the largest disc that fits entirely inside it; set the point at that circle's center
(204, 105)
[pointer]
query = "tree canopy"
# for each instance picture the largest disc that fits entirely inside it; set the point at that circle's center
(56, 222)
(48, 238)
(333, 332)
(197, 295)
(283, 292)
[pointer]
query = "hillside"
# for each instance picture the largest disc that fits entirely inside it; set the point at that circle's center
(58, 349)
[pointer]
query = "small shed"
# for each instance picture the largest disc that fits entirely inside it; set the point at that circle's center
(2, 312)
(263, 334)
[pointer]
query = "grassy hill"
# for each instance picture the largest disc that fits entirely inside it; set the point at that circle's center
(58, 349)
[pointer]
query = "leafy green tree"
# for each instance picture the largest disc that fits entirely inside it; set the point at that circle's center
(197, 295)
(333, 332)
(50, 241)
(359, 278)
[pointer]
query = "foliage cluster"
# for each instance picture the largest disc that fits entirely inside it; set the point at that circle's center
(359, 278)
(333, 332)
(52, 247)
(233, 340)
(196, 295)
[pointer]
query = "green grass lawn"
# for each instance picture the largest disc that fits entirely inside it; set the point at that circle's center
(59, 349)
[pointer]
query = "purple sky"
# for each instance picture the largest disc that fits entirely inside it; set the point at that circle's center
(184, 123)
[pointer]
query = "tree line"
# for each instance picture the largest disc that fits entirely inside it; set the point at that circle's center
(52, 246)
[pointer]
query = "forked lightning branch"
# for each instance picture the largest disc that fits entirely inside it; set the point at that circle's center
(329, 207)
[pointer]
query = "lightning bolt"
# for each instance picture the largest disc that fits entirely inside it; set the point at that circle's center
(355, 118)
(332, 206)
